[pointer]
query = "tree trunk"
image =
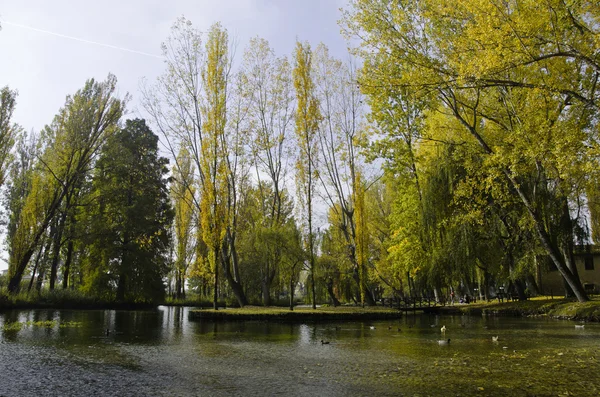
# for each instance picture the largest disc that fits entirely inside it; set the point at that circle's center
(121, 287)
(520, 290)
(553, 252)
(67, 267)
(292, 291)
(334, 300)
(122, 282)
(40, 280)
(235, 286)
(266, 287)
(56, 250)
(178, 284)
(267, 276)
(486, 284)
(23, 261)
(216, 286)
(369, 301)
(37, 262)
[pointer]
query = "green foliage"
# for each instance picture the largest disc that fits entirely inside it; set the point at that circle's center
(270, 247)
(517, 81)
(73, 141)
(8, 131)
(183, 194)
(483, 114)
(130, 218)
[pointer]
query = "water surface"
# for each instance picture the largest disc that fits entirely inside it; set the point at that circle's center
(161, 353)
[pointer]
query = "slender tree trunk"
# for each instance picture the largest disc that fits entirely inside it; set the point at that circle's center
(177, 284)
(266, 287)
(121, 287)
(56, 249)
(216, 285)
(486, 284)
(40, 280)
(292, 291)
(37, 262)
(122, 282)
(23, 261)
(234, 255)
(67, 266)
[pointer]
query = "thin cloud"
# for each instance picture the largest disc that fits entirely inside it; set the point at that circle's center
(82, 40)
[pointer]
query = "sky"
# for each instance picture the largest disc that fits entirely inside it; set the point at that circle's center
(45, 68)
(40, 58)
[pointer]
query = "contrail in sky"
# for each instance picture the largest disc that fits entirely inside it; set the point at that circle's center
(82, 40)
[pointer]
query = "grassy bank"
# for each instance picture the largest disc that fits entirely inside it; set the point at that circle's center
(65, 299)
(321, 314)
(540, 306)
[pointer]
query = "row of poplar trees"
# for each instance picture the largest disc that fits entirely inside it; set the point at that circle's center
(462, 155)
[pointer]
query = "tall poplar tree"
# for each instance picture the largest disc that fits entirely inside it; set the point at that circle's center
(183, 193)
(189, 107)
(308, 117)
(8, 130)
(78, 132)
(268, 89)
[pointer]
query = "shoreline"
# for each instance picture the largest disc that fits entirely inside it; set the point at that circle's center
(276, 314)
(563, 309)
(76, 306)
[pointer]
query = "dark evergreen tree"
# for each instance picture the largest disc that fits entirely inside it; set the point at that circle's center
(130, 218)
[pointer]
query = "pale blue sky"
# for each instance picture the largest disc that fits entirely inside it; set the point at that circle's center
(45, 68)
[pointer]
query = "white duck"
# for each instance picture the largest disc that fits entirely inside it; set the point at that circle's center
(443, 342)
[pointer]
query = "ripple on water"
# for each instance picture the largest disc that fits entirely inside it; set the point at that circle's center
(160, 353)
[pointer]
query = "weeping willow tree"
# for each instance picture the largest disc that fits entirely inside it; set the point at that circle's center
(520, 78)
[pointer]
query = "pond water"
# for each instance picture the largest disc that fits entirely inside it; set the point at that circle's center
(161, 353)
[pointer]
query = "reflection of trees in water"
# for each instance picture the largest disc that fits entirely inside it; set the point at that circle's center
(174, 321)
(139, 326)
(9, 318)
